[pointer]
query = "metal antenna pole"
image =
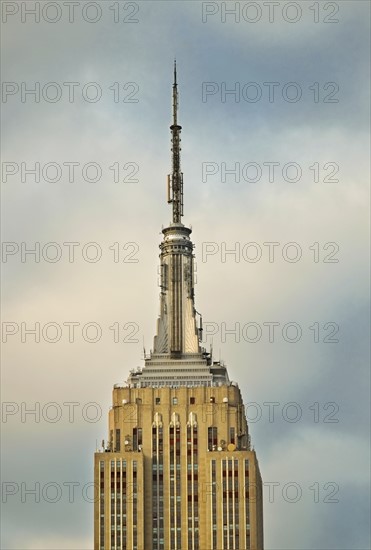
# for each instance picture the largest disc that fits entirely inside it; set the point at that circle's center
(175, 180)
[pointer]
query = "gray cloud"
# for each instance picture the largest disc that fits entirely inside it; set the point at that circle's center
(230, 212)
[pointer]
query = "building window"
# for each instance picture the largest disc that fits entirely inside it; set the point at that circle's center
(175, 400)
(232, 435)
(192, 487)
(175, 487)
(118, 442)
(157, 487)
(213, 506)
(212, 438)
(247, 504)
(101, 504)
(157, 400)
(192, 400)
(212, 399)
(124, 500)
(230, 504)
(135, 506)
(137, 438)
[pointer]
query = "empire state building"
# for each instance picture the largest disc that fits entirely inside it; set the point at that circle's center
(178, 471)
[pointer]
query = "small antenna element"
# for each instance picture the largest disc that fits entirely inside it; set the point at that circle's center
(200, 329)
(175, 179)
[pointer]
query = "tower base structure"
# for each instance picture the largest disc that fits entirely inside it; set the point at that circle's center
(178, 472)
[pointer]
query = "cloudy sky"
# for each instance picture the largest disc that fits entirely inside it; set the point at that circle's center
(275, 150)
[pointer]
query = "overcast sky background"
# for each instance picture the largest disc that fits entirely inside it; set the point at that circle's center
(305, 452)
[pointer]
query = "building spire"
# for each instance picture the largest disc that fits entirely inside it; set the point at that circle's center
(177, 358)
(175, 179)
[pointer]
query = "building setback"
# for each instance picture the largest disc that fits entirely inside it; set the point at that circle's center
(178, 471)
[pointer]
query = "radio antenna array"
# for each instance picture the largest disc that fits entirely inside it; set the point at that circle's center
(175, 179)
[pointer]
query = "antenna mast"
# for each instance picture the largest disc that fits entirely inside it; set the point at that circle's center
(175, 180)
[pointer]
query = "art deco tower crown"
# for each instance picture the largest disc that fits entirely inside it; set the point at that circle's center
(177, 346)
